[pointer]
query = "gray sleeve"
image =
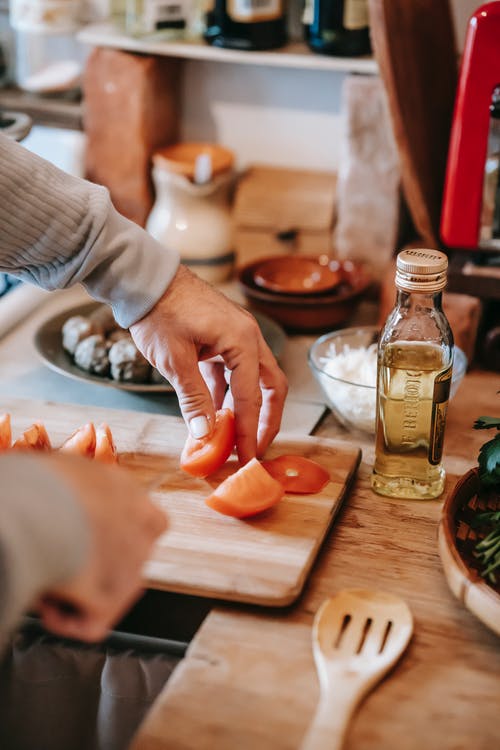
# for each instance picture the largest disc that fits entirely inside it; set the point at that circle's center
(44, 535)
(57, 230)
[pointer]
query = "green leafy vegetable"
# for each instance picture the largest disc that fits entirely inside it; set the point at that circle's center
(487, 550)
(489, 462)
(486, 423)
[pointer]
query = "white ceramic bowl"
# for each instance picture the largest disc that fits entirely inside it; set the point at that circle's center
(353, 399)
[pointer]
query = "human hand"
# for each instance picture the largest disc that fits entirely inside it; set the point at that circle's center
(123, 524)
(193, 323)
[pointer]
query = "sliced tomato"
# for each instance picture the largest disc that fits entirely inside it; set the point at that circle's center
(203, 457)
(298, 475)
(105, 450)
(5, 432)
(81, 442)
(34, 438)
(248, 491)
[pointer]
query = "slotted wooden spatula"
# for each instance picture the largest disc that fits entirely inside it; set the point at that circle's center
(358, 635)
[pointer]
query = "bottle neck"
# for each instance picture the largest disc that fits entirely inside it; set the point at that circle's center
(420, 300)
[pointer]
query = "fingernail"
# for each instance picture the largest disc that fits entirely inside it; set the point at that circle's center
(198, 427)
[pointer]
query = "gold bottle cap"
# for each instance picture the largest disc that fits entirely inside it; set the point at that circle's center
(421, 270)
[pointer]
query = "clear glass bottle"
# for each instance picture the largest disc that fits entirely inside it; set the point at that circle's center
(160, 19)
(415, 357)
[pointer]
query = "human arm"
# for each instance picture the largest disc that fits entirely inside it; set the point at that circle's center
(58, 230)
(73, 539)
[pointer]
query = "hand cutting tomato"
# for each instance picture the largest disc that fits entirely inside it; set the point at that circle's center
(297, 474)
(248, 491)
(202, 457)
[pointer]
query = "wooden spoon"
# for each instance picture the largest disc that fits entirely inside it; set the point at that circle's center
(358, 635)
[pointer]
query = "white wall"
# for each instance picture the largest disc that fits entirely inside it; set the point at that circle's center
(274, 116)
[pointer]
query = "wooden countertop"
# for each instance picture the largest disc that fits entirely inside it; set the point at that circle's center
(248, 680)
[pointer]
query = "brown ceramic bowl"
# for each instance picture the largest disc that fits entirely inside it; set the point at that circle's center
(308, 312)
(298, 274)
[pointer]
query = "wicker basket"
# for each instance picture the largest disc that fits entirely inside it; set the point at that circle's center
(457, 540)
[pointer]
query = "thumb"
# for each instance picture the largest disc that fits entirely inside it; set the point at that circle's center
(195, 401)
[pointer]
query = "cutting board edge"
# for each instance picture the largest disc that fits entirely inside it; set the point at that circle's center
(295, 590)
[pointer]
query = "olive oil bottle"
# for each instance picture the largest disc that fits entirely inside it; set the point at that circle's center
(415, 357)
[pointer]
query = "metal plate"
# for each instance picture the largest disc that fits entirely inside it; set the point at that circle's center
(48, 344)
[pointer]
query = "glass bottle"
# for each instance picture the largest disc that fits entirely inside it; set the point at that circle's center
(246, 24)
(162, 19)
(415, 356)
(337, 27)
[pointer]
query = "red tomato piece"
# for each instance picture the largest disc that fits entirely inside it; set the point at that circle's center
(5, 432)
(81, 442)
(203, 457)
(34, 438)
(248, 491)
(105, 450)
(298, 475)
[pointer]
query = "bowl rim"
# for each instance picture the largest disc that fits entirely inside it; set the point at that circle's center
(245, 279)
(374, 329)
(321, 339)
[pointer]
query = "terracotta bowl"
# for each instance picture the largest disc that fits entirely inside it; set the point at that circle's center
(298, 274)
(308, 312)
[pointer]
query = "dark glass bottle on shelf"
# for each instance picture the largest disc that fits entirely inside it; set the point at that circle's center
(246, 24)
(337, 27)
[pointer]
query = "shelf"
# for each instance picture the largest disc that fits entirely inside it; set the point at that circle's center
(295, 55)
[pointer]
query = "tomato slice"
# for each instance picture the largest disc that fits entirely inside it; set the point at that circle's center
(298, 475)
(81, 442)
(105, 450)
(5, 432)
(248, 491)
(203, 457)
(34, 438)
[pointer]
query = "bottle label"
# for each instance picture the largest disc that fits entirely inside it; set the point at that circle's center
(161, 14)
(355, 14)
(438, 419)
(251, 11)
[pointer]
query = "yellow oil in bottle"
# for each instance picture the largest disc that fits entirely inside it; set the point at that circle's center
(413, 389)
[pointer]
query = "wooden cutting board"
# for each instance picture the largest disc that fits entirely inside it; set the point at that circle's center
(264, 560)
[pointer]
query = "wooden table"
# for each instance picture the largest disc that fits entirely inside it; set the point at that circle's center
(248, 681)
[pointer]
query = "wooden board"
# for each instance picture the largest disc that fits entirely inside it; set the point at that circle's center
(264, 560)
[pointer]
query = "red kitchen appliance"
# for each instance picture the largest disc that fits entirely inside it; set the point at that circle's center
(470, 217)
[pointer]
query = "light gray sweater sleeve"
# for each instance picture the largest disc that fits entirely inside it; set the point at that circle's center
(44, 536)
(57, 230)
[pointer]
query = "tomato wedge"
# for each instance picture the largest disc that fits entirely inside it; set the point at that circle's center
(203, 457)
(105, 450)
(298, 475)
(248, 491)
(5, 432)
(81, 442)
(34, 438)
